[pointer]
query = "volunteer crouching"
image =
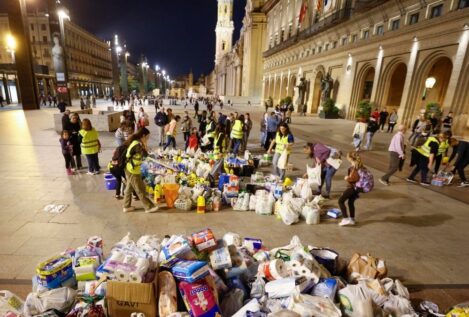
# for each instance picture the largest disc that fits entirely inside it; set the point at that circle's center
(136, 152)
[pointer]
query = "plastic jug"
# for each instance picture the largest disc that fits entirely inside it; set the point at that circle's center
(157, 194)
(171, 193)
(201, 205)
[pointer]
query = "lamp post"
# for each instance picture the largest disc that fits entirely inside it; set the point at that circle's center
(429, 84)
(62, 74)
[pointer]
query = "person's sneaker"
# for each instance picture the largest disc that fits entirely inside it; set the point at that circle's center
(118, 197)
(151, 210)
(411, 180)
(464, 184)
(129, 209)
(346, 222)
(69, 172)
(383, 182)
(89, 173)
(425, 183)
(95, 172)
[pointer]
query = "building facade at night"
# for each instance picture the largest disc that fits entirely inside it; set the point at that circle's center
(381, 51)
(88, 60)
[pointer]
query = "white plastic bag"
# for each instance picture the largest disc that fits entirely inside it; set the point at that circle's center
(306, 192)
(311, 214)
(9, 302)
(356, 301)
(314, 174)
(298, 186)
(307, 305)
(265, 204)
(60, 299)
(283, 160)
(288, 214)
(252, 202)
(296, 203)
(398, 306)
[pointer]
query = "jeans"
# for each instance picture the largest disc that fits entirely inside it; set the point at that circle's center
(351, 195)
(171, 140)
(394, 161)
(275, 170)
(369, 140)
(93, 162)
(69, 161)
(460, 168)
(327, 173)
(236, 145)
(422, 167)
(135, 183)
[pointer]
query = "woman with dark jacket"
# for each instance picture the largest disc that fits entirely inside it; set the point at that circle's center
(74, 126)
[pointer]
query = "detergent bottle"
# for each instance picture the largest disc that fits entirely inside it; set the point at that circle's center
(201, 205)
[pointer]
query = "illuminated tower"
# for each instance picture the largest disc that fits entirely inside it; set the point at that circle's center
(224, 29)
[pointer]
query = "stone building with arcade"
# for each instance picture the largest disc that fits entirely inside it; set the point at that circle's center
(399, 55)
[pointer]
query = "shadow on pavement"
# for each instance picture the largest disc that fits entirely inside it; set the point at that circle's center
(415, 221)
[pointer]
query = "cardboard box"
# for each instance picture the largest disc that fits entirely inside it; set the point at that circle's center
(124, 299)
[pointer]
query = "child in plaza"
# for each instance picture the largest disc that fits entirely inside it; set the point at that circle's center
(67, 151)
(193, 141)
(171, 132)
(90, 146)
(350, 194)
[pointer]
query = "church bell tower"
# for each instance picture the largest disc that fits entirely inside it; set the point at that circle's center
(224, 29)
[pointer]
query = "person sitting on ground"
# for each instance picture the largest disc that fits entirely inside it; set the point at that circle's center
(137, 150)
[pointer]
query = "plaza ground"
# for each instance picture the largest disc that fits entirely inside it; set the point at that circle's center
(420, 232)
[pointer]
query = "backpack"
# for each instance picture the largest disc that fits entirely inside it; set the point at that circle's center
(161, 119)
(119, 156)
(366, 181)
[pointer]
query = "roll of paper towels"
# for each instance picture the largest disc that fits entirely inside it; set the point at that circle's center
(121, 275)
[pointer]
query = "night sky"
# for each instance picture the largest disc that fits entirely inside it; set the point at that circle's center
(176, 34)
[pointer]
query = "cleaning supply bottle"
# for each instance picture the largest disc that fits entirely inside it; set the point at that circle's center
(201, 205)
(157, 194)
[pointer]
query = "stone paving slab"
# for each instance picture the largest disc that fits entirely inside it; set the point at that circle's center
(422, 234)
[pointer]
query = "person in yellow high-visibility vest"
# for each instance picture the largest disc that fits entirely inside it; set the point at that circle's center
(283, 141)
(219, 141)
(237, 133)
(136, 152)
(425, 156)
(90, 146)
(442, 152)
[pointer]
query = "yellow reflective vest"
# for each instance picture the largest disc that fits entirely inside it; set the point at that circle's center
(135, 160)
(210, 126)
(443, 147)
(281, 143)
(237, 130)
(89, 141)
(425, 149)
(216, 148)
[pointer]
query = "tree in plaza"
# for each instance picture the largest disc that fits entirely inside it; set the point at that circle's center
(133, 83)
(364, 110)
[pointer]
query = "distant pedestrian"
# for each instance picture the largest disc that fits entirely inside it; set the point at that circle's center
(392, 121)
(1, 100)
(186, 126)
(67, 152)
(351, 193)
(447, 122)
(82, 104)
(66, 120)
(161, 120)
(396, 154)
(358, 134)
(272, 126)
(237, 133)
(383, 116)
(304, 108)
(74, 127)
(247, 131)
(122, 133)
(171, 132)
(88, 102)
(62, 105)
(370, 132)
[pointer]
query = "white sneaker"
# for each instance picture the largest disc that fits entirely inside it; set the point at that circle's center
(89, 173)
(151, 210)
(129, 209)
(347, 222)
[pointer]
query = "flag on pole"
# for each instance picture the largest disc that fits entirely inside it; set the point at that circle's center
(319, 5)
(304, 9)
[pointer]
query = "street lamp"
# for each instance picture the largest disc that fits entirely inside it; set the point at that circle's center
(429, 84)
(63, 14)
(11, 46)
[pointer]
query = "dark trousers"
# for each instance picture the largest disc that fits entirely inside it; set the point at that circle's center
(69, 162)
(170, 140)
(391, 127)
(186, 135)
(236, 145)
(422, 167)
(119, 175)
(78, 160)
(268, 140)
(394, 161)
(381, 124)
(438, 160)
(351, 195)
(460, 168)
(93, 162)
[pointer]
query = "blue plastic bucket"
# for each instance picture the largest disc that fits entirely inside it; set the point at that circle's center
(110, 181)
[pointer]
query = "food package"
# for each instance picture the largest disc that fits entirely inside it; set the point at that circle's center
(167, 296)
(252, 244)
(220, 259)
(334, 213)
(54, 271)
(176, 245)
(199, 299)
(204, 240)
(190, 271)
